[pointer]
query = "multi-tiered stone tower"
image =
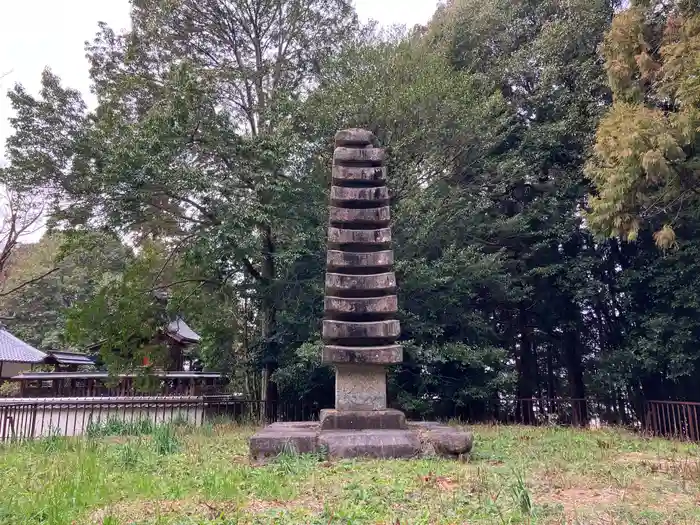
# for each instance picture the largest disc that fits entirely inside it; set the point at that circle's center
(360, 328)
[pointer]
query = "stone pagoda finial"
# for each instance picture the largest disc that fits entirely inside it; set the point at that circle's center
(359, 328)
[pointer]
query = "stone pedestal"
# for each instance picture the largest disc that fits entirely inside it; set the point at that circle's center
(359, 326)
(360, 387)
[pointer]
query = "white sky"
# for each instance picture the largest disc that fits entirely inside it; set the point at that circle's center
(39, 33)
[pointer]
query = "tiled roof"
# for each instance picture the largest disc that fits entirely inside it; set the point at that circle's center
(14, 350)
(70, 358)
(105, 375)
(179, 331)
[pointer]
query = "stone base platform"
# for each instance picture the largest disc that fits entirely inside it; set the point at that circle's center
(415, 439)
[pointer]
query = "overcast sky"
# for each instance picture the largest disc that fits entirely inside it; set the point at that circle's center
(39, 33)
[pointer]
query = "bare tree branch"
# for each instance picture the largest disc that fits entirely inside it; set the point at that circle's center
(20, 217)
(30, 281)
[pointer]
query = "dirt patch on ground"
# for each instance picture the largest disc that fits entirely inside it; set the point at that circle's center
(116, 440)
(634, 458)
(591, 501)
(255, 506)
(139, 510)
(572, 499)
(683, 467)
(440, 482)
(129, 512)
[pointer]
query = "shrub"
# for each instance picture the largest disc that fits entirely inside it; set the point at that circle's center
(9, 389)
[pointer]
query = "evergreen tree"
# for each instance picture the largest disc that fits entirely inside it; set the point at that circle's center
(645, 163)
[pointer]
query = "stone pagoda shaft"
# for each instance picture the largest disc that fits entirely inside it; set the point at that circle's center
(359, 326)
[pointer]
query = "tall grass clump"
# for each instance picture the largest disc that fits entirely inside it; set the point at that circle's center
(166, 440)
(119, 427)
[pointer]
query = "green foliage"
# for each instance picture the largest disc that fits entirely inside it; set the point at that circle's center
(115, 426)
(166, 440)
(9, 389)
(83, 263)
(645, 160)
(209, 152)
(124, 314)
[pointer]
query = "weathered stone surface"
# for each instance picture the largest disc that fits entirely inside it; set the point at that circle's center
(357, 330)
(360, 387)
(425, 425)
(366, 154)
(453, 443)
(273, 440)
(370, 175)
(361, 305)
(363, 420)
(354, 137)
(342, 433)
(361, 215)
(338, 259)
(379, 355)
(444, 440)
(379, 195)
(376, 281)
(369, 443)
(292, 425)
(345, 236)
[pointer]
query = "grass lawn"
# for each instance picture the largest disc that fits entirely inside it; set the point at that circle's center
(515, 475)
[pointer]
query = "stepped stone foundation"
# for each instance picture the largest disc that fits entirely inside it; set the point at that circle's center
(359, 327)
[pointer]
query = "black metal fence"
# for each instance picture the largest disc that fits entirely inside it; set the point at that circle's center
(22, 418)
(673, 419)
(668, 419)
(537, 411)
(34, 418)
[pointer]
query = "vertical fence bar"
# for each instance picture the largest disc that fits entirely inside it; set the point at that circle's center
(4, 423)
(664, 420)
(672, 419)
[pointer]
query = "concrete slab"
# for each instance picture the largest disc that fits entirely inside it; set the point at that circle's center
(345, 434)
(387, 419)
(278, 438)
(379, 444)
(371, 355)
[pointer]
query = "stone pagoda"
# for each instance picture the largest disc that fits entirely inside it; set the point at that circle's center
(359, 327)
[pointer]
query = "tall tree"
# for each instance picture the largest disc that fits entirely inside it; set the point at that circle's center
(645, 163)
(21, 218)
(191, 139)
(72, 270)
(429, 118)
(542, 57)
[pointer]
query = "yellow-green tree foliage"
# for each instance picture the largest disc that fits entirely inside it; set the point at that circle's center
(645, 163)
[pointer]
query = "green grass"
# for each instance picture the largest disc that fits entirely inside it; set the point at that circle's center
(178, 475)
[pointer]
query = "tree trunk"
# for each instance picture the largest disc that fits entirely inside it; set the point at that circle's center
(526, 366)
(551, 379)
(574, 368)
(268, 393)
